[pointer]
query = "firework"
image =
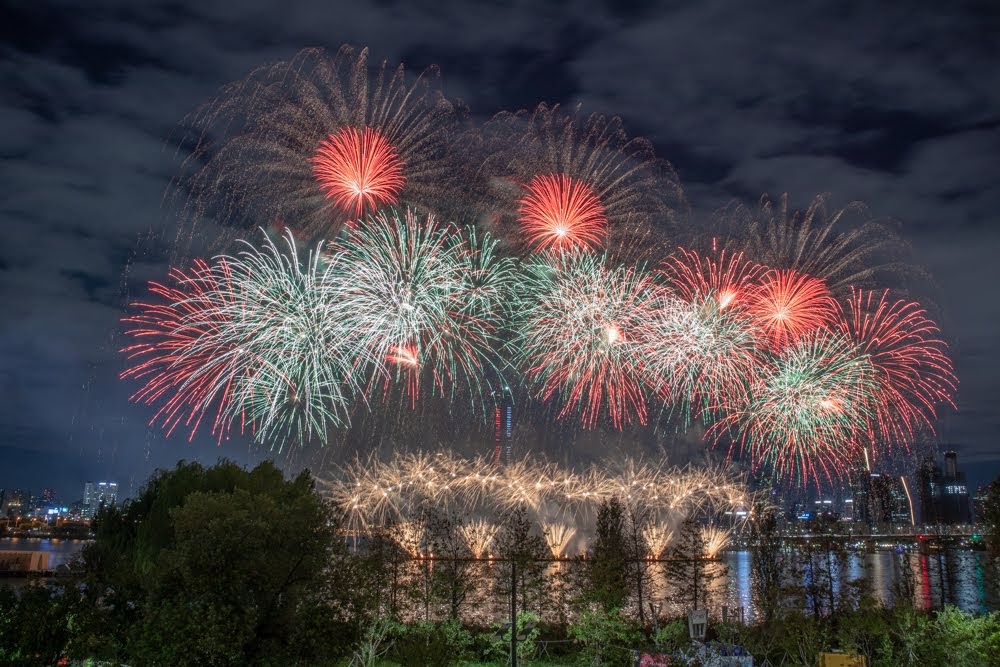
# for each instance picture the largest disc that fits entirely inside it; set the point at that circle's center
(749, 340)
(251, 338)
(359, 170)
(557, 537)
(715, 539)
(423, 298)
(567, 181)
(184, 352)
(478, 535)
(657, 539)
(819, 243)
(730, 279)
(580, 335)
(912, 367)
(788, 305)
(701, 355)
(376, 493)
(318, 141)
(562, 213)
(808, 409)
(302, 382)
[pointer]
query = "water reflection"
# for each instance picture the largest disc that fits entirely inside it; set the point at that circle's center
(60, 551)
(965, 579)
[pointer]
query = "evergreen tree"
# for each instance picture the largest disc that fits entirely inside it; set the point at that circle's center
(609, 557)
(768, 565)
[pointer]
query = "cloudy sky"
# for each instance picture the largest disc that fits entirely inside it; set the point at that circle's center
(893, 104)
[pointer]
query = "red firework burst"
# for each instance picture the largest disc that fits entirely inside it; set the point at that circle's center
(787, 304)
(730, 280)
(359, 170)
(914, 372)
(185, 363)
(561, 213)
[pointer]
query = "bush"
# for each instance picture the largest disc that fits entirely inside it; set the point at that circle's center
(607, 637)
(433, 644)
(672, 636)
(499, 649)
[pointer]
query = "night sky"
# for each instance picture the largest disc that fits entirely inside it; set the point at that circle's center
(893, 104)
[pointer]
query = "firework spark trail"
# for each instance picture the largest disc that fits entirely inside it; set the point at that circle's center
(422, 296)
(657, 539)
(377, 493)
(715, 539)
(620, 182)
(788, 305)
(728, 278)
(317, 141)
(558, 212)
(557, 537)
(359, 170)
(580, 335)
(914, 374)
(808, 409)
(303, 382)
(700, 356)
(819, 243)
(193, 316)
(478, 535)
(253, 335)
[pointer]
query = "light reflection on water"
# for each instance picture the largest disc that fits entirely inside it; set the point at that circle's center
(60, 551)
(968, 582)
(965, 580)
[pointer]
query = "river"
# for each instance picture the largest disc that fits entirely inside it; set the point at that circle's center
(966, 582)
(60, 550)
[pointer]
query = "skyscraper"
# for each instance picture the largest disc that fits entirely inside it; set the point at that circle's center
(95, 495)
(503, 425)
(944, 496)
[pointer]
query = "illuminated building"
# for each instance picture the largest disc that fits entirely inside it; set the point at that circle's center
(503, 426)
(16, 502)
(979, 503)
(880, 501)
(944, 496)
(95, 495)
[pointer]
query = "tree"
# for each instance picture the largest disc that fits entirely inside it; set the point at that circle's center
(216, 566)
(518, 542)
(34, 627)
(768, 564)
(638, 517)
(453, 569)
(687, 568)
(609, 556)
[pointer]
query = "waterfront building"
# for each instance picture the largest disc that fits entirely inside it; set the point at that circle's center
(880, 501)
(979, 503)
(944, 496)
(16, 503)
(95, 495)
(503, 426)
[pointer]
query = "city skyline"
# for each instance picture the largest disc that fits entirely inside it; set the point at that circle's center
(92, 110)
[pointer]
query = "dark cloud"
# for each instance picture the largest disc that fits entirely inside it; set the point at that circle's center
(895, 105)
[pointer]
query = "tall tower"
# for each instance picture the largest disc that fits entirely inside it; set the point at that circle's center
(503, 426)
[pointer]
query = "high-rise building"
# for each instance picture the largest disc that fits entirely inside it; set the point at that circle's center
(944, 496)
(860, 510)
(503, 426)
(880, 501)
(96, 495)
(16, 502)
(979, 503)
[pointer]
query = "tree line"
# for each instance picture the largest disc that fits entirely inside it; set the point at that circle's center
(226, 566)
